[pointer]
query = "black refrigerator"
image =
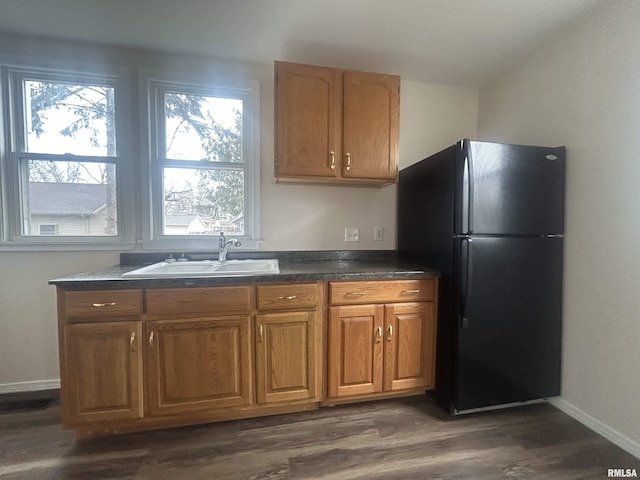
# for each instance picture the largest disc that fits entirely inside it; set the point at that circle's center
(490, 217)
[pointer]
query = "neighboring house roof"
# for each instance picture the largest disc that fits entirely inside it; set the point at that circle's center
(66, 198)
(179, 219)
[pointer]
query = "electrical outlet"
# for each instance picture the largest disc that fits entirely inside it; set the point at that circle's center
(377, 234)
(351, 234)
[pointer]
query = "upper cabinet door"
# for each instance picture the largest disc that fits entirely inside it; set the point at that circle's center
(336, 126)
(308, 120)
(371, 119)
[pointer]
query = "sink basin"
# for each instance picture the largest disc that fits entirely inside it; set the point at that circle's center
(207, 268)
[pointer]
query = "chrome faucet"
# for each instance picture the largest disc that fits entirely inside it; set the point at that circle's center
(224, 245)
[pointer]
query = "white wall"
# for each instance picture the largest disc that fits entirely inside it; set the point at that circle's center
(582, 90)
(304, 217)
(294, 217)
(28, 328)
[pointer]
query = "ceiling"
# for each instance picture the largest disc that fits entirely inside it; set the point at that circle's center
(455, 42)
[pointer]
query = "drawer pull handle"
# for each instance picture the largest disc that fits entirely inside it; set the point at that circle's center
(107, 304)
(356, 293)
(288, 297)
(132, 340)
(407, 292)
(390, 337)
(348, 167)
(260, 331)
(379, 331)
(151, 339)
(333, 160)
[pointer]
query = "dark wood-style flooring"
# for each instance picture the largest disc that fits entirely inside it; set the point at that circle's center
(393, 439)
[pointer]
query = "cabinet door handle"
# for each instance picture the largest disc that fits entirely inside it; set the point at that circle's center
(288, 297)
(379, 332)
(151, 339)
(407, 292)
(356, 293)
(107, 304)
(132, 340)
(348, 167)
(260, 332)
(332, 165)
(390, 337)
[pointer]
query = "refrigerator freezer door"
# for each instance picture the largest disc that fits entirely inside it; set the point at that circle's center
(509, 321)
(513, 189)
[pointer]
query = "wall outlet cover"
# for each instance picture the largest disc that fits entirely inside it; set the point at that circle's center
(351, 234)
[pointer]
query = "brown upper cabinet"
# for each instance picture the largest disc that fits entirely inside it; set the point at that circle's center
(336, 126)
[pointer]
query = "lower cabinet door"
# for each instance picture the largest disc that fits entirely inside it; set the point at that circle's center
(286, 356)
(198, 364)
(409, 346)
(355, 350)
(103, 372)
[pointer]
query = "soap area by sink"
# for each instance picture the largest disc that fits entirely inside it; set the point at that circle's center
(207, 268)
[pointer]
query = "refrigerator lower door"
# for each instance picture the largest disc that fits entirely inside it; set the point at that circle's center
(509, 320)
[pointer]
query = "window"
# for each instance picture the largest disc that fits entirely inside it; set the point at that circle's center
(62, 169)
(203, 161)
(69, 178)
(47, 229)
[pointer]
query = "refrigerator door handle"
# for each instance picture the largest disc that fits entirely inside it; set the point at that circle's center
(466, 282)
(468, 183)
(470, 204)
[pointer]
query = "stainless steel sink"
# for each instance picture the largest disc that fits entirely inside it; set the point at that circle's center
(207, 268)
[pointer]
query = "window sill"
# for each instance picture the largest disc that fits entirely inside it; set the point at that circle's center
(64, 246)
(199, 244)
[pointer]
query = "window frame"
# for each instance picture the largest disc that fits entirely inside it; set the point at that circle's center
(13, 154)
(153, 85)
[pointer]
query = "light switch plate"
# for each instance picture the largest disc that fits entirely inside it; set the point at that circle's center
(377, 234)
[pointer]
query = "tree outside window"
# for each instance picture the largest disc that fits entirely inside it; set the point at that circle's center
(64, 121)
(203, 165)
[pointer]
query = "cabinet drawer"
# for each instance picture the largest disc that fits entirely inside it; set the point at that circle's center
(103, 303)
(382, 291)
(199, 300)
(278, 297)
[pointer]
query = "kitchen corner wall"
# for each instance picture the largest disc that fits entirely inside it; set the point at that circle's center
(581, 89)
(294, 217)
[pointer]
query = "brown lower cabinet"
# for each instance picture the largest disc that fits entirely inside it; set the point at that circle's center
(378, 349)
(143, 359)
(103, 372)
(198, 364)
(137, 359)
(286, 356)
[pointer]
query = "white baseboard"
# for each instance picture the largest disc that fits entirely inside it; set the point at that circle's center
(30, 386)
(607, 432)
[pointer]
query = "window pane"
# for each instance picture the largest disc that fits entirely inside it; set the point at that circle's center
(79, 199)
(200, 127)
(48, 229)
(67, 118)
(203, 202)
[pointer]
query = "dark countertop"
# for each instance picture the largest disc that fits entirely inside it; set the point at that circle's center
(295, 267)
